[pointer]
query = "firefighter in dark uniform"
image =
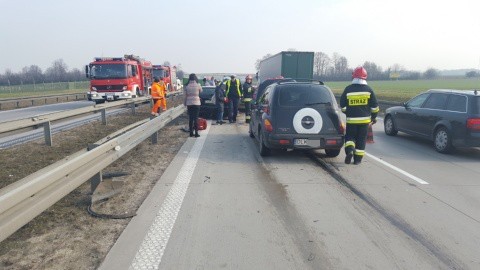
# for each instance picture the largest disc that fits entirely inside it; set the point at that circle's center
(360, 105)
(233, 93)
(247, 90)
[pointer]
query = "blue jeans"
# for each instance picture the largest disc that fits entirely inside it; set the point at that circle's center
(220, 112)
(233, 108)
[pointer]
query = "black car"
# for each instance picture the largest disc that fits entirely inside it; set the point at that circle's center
(208, 108)
(297, 115)
(450, 118)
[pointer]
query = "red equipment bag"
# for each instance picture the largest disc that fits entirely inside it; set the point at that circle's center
(201, 123)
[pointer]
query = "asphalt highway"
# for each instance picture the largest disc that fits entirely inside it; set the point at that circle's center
(11, 115)
(219, 205)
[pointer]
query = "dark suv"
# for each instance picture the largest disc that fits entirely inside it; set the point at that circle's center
(450, 118)
(297, 115)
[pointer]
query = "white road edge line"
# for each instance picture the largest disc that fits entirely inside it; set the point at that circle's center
(413, 177)
(151, 251)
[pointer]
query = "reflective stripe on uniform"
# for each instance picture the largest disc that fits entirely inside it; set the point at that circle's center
(375, 110)
(344, 109)
(359, 152)
(247, 117)
(247, 99)
(359, 94)
(349, 143)
(359, 120)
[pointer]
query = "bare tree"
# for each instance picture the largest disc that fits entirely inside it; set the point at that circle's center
(321, 62)
(32, 74)
(180, 72)
(431, 73)
(374, 71)
(57, 72)
(257, 63)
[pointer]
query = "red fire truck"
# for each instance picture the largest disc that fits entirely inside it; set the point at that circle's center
(169, 75)
(114, 78)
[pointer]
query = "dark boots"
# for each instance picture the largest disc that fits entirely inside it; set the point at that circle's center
(349, 154)
(357, 159)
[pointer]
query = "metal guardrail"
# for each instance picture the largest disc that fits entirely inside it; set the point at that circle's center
(17, 101)
(25, 199)
(45, 120)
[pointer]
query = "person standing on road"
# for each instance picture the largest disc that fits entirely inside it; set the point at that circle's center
(233, 94)
(192, 101)
(247, 91)
(360, 105)
(220, 101)
(158, 96)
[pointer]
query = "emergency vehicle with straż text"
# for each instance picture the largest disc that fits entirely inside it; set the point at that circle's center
(115, 78)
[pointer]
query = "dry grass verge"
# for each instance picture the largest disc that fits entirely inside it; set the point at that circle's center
(65, 236)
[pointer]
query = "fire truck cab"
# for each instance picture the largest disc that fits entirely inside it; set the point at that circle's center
(114, 78)
(169, 75)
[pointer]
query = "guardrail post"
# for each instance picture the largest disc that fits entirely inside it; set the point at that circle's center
(154, 136)
(104, 117)
(47, 133)
(133, 107)
(97, 178)
(32, 102)
(18, 104)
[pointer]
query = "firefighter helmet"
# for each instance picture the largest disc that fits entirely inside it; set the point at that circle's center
(360, 73)
(155, 79)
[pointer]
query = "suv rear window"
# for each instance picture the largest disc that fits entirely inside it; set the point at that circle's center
(436, 101)
(301, 95)
(476, 105)
(457, 103)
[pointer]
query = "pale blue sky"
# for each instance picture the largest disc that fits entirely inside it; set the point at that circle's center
(228, 36)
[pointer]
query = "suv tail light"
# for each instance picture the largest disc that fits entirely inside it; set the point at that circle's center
(268, 125)
(473, 124)
(341, 127)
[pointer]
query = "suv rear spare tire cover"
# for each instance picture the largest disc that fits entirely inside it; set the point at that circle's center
(307, 121)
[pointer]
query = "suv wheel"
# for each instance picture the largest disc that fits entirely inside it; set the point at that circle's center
(442, 141)
(389, 126)
(264, 151)
(332, 152)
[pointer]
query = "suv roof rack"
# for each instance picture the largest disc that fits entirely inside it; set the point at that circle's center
(300, 80)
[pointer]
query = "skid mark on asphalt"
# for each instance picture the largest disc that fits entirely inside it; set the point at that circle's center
(395, 220)
(313, 256)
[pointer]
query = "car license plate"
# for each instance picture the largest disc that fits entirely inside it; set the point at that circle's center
(110, 97)
(300, 142)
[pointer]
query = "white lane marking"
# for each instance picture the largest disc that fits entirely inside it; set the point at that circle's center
(413, 177)
(153, 246)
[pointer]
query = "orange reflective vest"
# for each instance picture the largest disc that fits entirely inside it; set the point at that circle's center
(158, 90)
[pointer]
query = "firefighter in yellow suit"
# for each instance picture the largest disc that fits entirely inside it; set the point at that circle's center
(158, 96)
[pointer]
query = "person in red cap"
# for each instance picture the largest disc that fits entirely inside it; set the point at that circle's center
(360, 105)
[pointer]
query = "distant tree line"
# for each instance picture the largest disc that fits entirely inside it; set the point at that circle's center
(336, 68)
(57, 72)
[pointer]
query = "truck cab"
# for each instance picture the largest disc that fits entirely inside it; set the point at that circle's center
(115, 78)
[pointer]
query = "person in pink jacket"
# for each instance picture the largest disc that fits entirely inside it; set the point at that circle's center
(192, 101)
